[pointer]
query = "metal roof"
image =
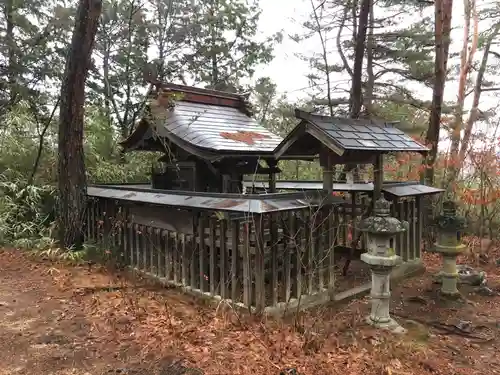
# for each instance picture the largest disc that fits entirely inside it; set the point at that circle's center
(257, 204)
(310, 185)
(343, 135)
(404, 190)
(207, 123)
(359, 135)
(398, 189)
(217, 128)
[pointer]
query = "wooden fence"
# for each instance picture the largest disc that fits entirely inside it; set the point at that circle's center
(254, 260)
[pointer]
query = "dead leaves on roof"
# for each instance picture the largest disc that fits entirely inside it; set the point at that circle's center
(247, 137)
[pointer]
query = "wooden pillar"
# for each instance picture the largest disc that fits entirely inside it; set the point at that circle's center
(378, 177)
(237, 181)
(328, 252)
(326, 163)
(272, 164)
(420, 225)
(226, 183)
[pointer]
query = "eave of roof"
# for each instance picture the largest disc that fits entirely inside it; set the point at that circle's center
(397, 189)
(258, 204)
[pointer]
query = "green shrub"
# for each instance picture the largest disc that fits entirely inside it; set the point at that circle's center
(27, 214)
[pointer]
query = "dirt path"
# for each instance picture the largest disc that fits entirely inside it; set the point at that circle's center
(45, 325)
(42, 330)
(60, 320)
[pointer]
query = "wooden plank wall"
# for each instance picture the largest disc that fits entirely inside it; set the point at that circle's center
(409, 243)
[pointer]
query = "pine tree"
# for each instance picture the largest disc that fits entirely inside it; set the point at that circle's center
(224, 45)
(71, 166)
(31, 52)
(393, 54)
(121, 46)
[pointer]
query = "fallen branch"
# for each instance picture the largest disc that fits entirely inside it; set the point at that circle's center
(451, 329)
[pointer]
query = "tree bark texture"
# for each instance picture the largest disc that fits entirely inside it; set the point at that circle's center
(71, 166)
(370, 81)
(474, 112)
(442, 13)
(356, 95)
(323, 39)
(442, 29)
(356, 101)
(11, 47)
(466, 64)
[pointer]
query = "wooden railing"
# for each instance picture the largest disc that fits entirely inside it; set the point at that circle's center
(410, 209)
(255, 260)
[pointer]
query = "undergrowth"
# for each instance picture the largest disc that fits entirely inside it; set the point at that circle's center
(27, 214)
(107, 256)
(27, 221)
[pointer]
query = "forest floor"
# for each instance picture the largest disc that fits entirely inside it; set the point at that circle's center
(56, 319)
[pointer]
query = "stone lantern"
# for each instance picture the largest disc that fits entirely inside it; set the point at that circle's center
(380, 231)
(449, 245)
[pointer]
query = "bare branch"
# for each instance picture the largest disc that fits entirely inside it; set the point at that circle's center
(41, 136)
(339, 42)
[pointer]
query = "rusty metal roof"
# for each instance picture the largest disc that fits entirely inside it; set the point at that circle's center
(310, 185)
(409, 189)
(398, 189)
(204, 122)
(217, 128)
(256, 204)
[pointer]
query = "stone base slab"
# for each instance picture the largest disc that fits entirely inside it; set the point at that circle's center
(391, 325)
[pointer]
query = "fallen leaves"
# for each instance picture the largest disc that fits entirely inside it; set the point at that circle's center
(144, 324)
(248, 137)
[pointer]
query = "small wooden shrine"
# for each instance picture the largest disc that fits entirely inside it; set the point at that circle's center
(208, 139)
(203, 224)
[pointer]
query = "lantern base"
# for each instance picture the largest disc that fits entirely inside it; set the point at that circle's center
(390, 325)
(381, 261)
(449, 296)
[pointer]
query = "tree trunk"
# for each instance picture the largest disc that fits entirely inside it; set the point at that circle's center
(71, 165)
(10, 39)
(466, 60)
(356, 101)
(370, 82)
(442, 29)
(442, 13)
(339, 41)
(324, 52)
(477, 96)
(356, 97)
(108, 92)
(214, 84)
